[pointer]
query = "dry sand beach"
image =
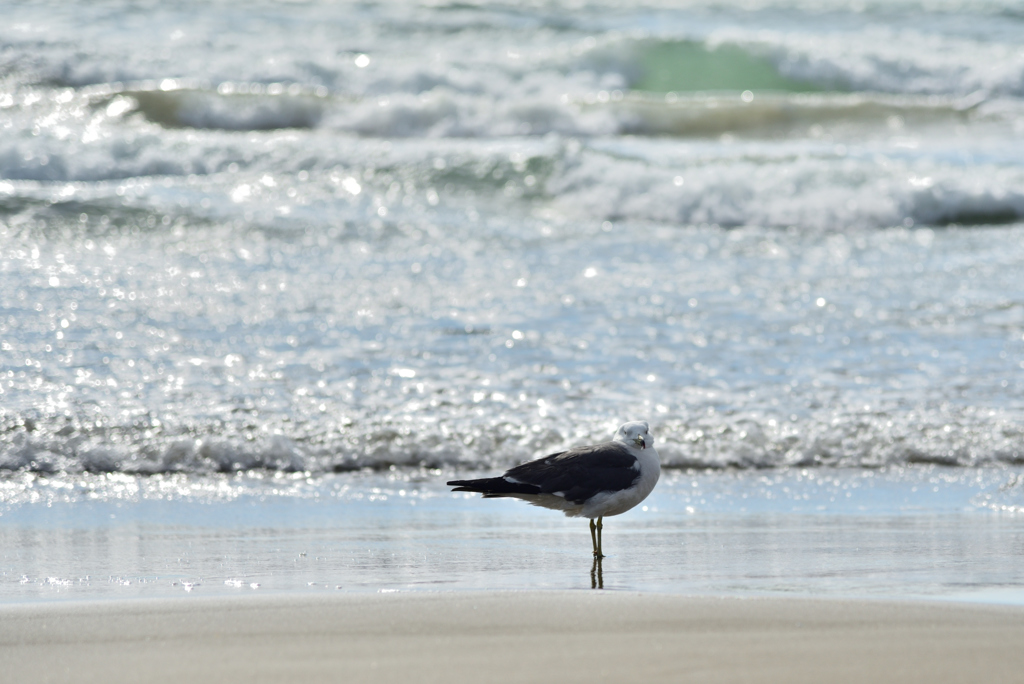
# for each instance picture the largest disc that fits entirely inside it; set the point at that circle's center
(510, 637)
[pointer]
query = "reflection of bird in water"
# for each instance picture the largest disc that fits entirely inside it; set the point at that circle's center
(586, 481)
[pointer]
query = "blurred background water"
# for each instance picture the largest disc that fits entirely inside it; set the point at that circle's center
(322, 236)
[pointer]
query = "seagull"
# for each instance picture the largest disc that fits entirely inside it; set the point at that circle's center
(585, 481)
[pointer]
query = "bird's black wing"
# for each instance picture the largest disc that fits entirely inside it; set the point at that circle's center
(582, 472)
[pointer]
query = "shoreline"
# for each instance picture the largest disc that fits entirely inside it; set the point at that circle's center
(872, 535)
(510, 636)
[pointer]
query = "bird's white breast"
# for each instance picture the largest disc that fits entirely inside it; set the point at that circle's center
(614, 503)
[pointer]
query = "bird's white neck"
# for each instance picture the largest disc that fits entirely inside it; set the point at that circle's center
(650, 468)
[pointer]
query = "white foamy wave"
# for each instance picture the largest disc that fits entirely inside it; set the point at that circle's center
(371, 445)
(821, 187)
(445, 113)
(807, 184)
(965, 437)
(397, 49)
(887, 59)
(840, 437)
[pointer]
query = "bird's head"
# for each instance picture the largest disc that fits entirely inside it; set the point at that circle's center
(636, 434)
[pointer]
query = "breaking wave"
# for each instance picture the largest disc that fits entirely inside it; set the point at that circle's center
(962, 437)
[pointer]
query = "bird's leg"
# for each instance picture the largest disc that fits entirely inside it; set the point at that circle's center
(593, 537)
(600, 526)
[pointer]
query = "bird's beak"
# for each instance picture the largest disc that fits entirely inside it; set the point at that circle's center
(640, 442)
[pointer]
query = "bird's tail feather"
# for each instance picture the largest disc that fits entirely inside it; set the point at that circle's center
(494, 486)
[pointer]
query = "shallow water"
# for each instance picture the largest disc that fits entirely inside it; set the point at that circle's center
(922, 532)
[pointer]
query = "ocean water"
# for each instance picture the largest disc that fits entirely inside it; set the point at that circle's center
(270, 240)
(324, 236)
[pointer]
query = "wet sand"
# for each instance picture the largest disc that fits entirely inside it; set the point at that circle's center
(509, 637)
